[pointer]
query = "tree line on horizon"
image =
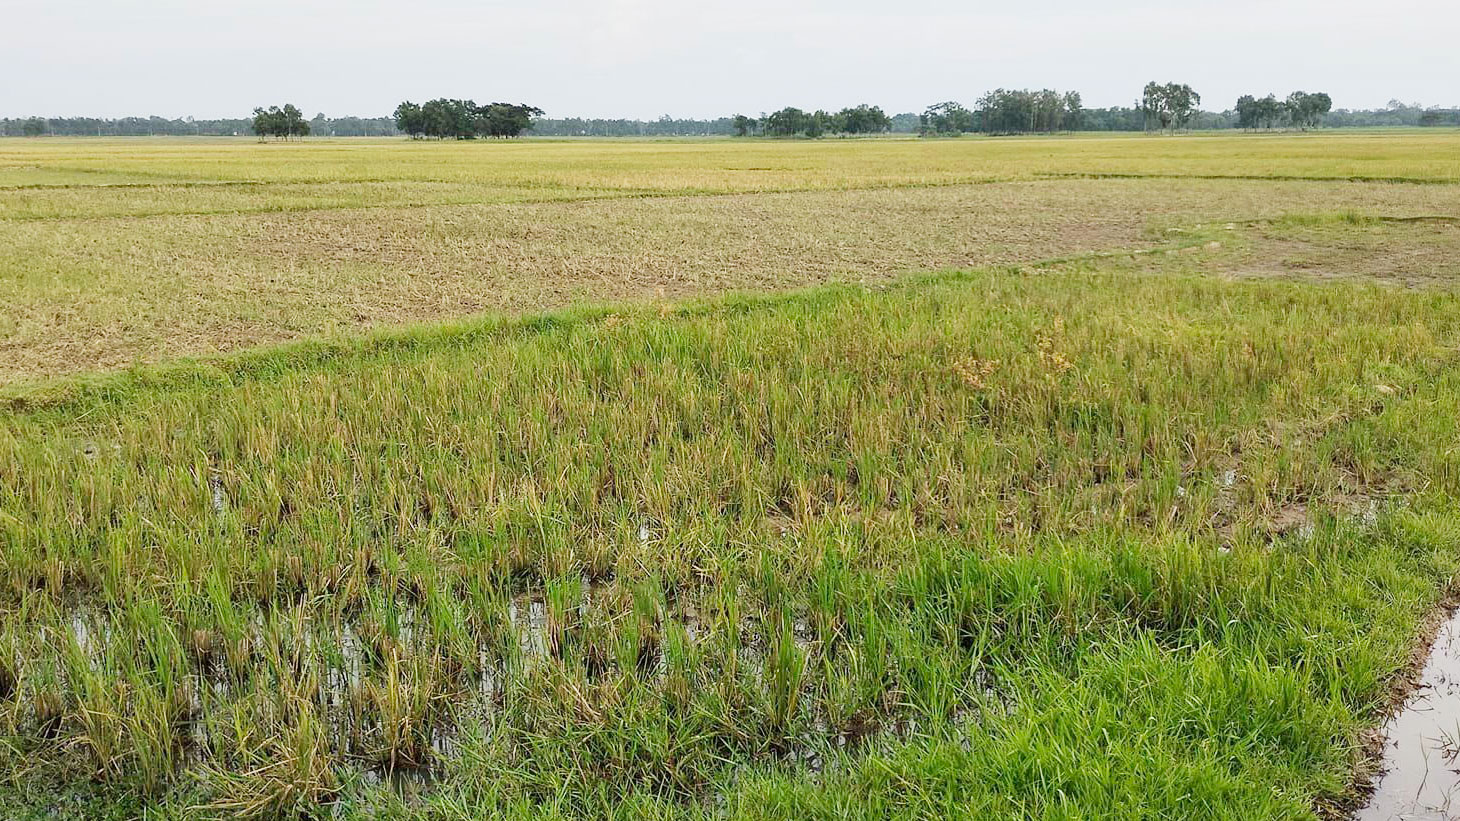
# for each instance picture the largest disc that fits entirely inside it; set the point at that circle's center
(1162, 107)
(1115, 118)
(1169, 106)
(154, 126)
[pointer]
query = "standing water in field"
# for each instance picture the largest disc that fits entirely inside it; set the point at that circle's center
(1421, 778)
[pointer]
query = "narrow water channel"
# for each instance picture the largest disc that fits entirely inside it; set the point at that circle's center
(1421, 776)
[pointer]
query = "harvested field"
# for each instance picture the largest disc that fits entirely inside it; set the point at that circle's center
(97, 277)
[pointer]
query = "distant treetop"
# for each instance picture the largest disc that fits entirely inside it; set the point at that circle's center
(1300, 110)
(280, 123)
(464, 119)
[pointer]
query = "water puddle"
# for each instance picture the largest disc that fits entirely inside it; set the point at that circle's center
(1421, 778)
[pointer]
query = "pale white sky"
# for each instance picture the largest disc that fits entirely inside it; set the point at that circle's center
(643, 58)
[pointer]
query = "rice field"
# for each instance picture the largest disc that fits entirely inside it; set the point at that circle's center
(1045, 478)
(118, 252)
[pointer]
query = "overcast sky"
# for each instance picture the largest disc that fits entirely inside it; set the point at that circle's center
(704, 58)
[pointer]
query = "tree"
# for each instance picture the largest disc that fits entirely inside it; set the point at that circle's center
(1439, 116)
(744, 125)
(906, 122)
(265, 122)
(1181, 101)
(1170, 105)
(294, 123)
(946, 118)
(450, 118)
(280, 123)
(504, 120)
(1269, 111)
(1247, 112)
(1319, 106)
(786, 122)
(1153, 105)
(410, 120)
(1004, 111)
(1074, 111)
(463, 119)
(864, 119)
(1306, 110)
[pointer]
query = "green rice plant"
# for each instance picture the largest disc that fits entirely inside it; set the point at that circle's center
(786, 665)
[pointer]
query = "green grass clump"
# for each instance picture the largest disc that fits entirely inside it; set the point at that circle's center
(1083, 543)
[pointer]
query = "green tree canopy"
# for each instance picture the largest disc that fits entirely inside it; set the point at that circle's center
(864, 119)
(444, 118)
(1170, 106)
(1003, 111)
(1306, 110)
(744, 126)
(280, 123)
(946, 118)
(787, 122)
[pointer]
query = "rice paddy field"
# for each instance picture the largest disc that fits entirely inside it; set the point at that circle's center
(1098, 477)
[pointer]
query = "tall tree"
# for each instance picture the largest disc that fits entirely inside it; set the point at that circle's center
(864, 119)
(1171, 106)
(294, 123)
(1247, 112)
(504, 120)
(280, 123)
(1074, 111)
(787, 122)
(1004, 111)
(1153, 105)
(1181, 101)
(264, 122)
(946, 118)
(1306, 110)
(463, 119)
(450, 118)
(410, 120)
(1269, 111)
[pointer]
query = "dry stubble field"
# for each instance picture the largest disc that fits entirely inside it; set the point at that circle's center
(117, 252)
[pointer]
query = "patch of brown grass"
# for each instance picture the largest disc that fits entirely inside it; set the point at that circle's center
(95, 294)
